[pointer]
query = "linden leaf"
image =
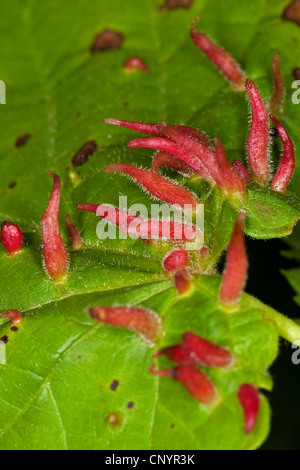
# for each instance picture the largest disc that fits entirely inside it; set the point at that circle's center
(56, 384)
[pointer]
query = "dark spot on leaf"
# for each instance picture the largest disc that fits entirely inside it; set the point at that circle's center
(273, 132)
(292, 12)
(130, 404)
(108, 39)
(172, 425)
(172, 4)
(79, 357)
(12, 185)
(296, 73)
(114, 385)
(4, 339)
(125, 104)
(113, 419)
(14, 328)
(22, 140)
(84, 153)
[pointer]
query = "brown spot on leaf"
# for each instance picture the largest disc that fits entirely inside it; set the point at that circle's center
(4, 339)
(172, 425)
(296, 73)
(84, 153)
(130, 405)
(114, 385)
(113, 419)
(12, 184)
(14, 328)
(22, 140)
(172, 4)
(292, 12)
(107, 40)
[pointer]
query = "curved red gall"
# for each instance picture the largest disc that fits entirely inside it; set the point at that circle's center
(276, 101)
(258, 141)
(75, 237)
(196, 382)
(179, 354)
(220, 58)
(147, 324)
(204, 154)
(11, 237)
(236, 266)
(132, 224)
(154, 129)
(159, 187)
(250, 401)
(14, 315)
(206, 352)
(54, 251)
(166, 145)
(286, 166)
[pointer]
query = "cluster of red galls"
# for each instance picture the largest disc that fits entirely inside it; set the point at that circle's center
(185, 150)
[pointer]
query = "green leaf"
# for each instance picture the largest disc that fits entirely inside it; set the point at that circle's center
(66, 363)
(55, 386)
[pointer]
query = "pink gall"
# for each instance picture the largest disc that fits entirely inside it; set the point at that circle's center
(11, 238)
(276, 101)
(258, 141)
(206, 352)
(147, 324)
(236, 266)
(54, 251)
(220, 58)
(286, 166)
(196, 382)
(250, 401)
(175, 260)
(159, 187)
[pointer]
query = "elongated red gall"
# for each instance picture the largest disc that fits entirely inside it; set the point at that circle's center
(147, 324)
(286, 166)
(250, 401)
(276, 100)
(179, 353)
(11, 237)
(145, 228)
(159, 187)
(220, 58)
(196, 382)
(236, 266)
(54, 251)
(258, 141)
(206, 352)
